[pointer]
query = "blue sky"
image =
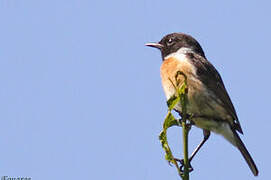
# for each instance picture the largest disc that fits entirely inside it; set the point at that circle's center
(81, 97)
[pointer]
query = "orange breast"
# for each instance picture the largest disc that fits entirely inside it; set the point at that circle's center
(169, 69)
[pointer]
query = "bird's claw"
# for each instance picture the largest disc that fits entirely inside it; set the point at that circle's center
(181, 161)
(189, 123)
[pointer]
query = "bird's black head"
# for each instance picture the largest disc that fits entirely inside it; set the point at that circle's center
(171, 43)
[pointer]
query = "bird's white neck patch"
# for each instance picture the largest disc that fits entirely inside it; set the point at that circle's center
(185, 63)
(180, 53)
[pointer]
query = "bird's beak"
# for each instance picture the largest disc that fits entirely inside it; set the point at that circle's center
(155, 45)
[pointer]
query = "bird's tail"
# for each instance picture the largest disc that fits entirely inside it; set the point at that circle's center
(242, 148)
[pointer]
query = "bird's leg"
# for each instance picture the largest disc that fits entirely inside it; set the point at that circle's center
(206, 135)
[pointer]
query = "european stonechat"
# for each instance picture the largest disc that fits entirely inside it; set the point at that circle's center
(209, 105)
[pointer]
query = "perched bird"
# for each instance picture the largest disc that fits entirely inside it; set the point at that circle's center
(209, 104)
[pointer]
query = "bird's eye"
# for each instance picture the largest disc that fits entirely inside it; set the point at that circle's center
(170, 41)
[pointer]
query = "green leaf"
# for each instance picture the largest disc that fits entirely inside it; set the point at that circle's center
(168, 120)
(172, 102)
(164, 143)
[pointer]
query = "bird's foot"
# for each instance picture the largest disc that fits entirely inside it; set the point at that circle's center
(181, 161)
(188, 123)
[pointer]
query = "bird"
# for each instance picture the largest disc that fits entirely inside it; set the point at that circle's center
(208, 103)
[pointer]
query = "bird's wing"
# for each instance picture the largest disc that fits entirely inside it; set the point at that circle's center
(210, 77)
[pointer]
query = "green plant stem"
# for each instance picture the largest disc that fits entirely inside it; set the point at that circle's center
(184, 100)
(185, 175)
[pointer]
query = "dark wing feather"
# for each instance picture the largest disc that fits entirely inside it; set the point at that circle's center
(210, 77)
